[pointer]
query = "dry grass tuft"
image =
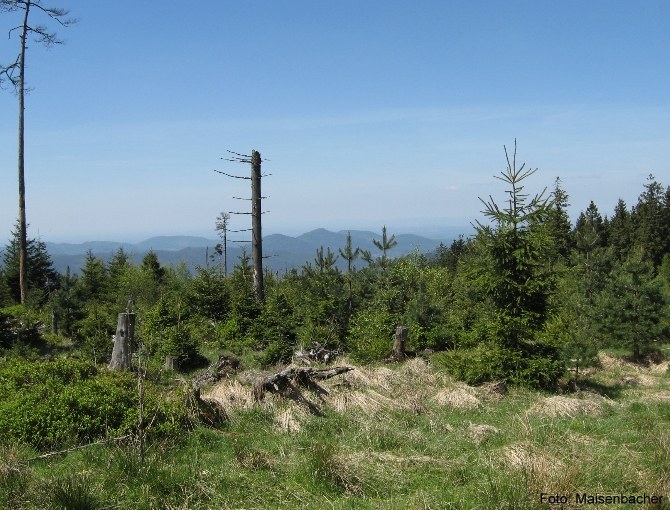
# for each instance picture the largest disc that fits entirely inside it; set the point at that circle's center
(526, 457)
(639, 380)
(289, 419)
(413, 402)
(559, 406)
(232, 395)
(10, 461)
(418, 371)
(368, 377)
(460, 397)
(658, 396)
(660, 368)
(480, 433)
(369, 402)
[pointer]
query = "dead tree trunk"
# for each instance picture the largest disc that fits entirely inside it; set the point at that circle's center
(399, 344)
(125, 332)
(256, 212)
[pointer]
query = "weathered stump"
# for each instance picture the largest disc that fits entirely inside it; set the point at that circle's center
(125, 333)
(170, 362)
(399, 343)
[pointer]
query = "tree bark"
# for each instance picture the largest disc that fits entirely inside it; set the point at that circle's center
(257, 240)
(125, 332)
(23, 229)
(399, 344)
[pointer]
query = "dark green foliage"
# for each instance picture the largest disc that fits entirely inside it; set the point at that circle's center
(93, 279)
(621, 231)
(558, 222)
(151, 266)
(210, 294)
(73, 493)
(651, 220)
(167, 331)
(513, 270)
(5, 292)
(54, 404)
(535, 367)
(68, 305)
(385, 244)
(51, 405)
(633, 306)
(449, 257)
(41, 277)
(20, 327)
(371, 333)
(590, 232)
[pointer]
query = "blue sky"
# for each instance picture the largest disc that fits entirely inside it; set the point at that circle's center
(369, 112)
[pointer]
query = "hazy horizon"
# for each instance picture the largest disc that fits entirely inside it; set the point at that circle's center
(367, 113)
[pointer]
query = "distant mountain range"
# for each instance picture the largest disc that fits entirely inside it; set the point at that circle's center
(283, 252)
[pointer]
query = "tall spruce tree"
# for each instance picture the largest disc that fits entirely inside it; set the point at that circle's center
(633, 305)
(558, 221)
(651, 221)
(589, 233)
(621, 231)
(93, 281)
(41, 277)
(350, 255)
(514, 274)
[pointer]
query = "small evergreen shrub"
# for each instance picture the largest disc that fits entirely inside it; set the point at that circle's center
(535, 368)
(371, 334)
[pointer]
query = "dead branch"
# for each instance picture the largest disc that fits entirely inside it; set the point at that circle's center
(75, 448)
(286, 381)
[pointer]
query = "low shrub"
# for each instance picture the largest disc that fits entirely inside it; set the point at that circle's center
(535, 366)
(54, 404)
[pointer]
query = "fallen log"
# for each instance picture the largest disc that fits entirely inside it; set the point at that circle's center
(316, 353)
(286, 381)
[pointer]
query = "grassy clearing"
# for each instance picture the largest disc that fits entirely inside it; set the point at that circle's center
(389, 437)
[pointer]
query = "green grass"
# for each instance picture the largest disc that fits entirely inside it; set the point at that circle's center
(398, 447)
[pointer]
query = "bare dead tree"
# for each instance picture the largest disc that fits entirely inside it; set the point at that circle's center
(15, 74)
(222, 229)
(256, 212)
(257, 240)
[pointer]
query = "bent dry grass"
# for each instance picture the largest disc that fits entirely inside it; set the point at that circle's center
(396, 437)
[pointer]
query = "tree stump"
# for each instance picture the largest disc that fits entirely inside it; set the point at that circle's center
(125, 333)
(170, 362)
(399, 343)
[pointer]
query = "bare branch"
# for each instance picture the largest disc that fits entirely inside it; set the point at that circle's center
(233, 176)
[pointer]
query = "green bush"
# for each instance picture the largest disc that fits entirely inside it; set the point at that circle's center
(19, 325)
(277, 352)
(371, 334)
(55, 404)
(537, 367)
